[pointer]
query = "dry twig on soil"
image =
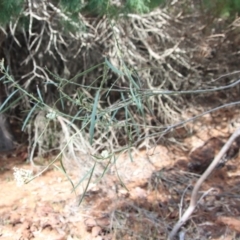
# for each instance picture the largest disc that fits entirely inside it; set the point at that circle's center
(193, 202)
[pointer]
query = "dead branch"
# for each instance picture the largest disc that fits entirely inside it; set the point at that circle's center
(193, 202)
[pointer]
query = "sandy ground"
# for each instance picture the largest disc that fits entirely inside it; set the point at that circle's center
(139, 198)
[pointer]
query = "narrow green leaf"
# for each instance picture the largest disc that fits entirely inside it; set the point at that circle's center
(114, 69)
(122, 183)
(29, 115)
(9, 97)
(86, 188)
(39, 94)
(93, 116)
(130, 154)
(63, 170)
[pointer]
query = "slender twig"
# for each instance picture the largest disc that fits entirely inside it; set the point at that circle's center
(193, 202)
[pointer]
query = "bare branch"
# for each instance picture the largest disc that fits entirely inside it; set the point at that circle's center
(193, 202)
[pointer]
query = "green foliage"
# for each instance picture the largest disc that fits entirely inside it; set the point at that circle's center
(156, 3)
(73, 6)
(97, 6)
(143, 6)
(9, 9)
(138, 6)
(12, 8)
(101, 7)
(222, 8)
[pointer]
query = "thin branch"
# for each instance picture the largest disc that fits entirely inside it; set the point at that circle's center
(193, 202)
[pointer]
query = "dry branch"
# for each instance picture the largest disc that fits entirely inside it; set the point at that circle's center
(193, 202)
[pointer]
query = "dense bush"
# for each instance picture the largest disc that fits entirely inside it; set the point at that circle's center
(11, 9)
(222, 8)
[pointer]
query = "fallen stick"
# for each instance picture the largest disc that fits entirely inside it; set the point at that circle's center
(193, 201)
